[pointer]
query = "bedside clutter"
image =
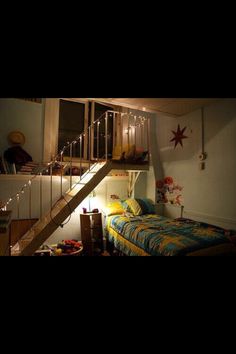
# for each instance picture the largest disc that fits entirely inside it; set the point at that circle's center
(63, 248)
(68, 248)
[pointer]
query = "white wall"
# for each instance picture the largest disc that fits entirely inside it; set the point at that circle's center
(209, 194)
(16, 114)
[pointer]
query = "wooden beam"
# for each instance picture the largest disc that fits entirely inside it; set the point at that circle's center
(36, 100)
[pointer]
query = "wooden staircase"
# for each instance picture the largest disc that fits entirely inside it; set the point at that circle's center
(41, 231)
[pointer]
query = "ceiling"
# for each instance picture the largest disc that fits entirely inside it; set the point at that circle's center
(169, 106)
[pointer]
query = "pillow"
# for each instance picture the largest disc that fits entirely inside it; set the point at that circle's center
(146, 206)
(139, 153)
(117, 152)
(114, 208)
(132, 206)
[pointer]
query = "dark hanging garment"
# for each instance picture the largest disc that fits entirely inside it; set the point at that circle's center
(17, 155)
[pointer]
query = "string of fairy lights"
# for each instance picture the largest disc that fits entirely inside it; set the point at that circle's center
(138, 122)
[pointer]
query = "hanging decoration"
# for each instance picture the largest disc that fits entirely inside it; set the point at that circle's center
(179, 136)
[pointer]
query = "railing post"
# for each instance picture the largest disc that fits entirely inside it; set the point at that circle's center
(114, 133)
(141, 132)
(89, 145)
(148, 138)
(121, 131)
(30, 194)
(106, 140)
(51, 185)
(98, 133)
(18, 206)
(41, 195)
(71, 152)
(80, 155)
(128, 128)
(61, 164)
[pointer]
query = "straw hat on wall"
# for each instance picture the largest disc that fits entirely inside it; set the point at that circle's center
(16, 138)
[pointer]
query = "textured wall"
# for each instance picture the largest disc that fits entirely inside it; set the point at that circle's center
(209, 194)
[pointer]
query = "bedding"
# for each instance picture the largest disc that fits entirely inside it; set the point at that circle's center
(155, 235)
(114, 208)
(138, 206)
(132, 206)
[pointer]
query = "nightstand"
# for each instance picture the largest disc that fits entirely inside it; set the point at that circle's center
(91, 233)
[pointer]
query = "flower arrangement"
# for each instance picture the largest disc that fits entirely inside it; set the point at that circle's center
(168, 191)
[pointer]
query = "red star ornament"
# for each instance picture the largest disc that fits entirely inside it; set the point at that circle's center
(179, 136)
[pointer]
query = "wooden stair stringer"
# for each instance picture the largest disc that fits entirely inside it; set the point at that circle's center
(60, 212)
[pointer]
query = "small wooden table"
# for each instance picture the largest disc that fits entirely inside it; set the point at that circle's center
(91, 233)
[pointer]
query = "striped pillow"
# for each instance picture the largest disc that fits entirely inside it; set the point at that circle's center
(132, 206)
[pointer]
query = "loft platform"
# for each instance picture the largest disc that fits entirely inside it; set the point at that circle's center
(130, 165)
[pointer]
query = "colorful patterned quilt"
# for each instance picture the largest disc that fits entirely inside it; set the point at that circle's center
(161, 236)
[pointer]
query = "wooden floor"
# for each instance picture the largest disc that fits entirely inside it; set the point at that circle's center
(105, 254)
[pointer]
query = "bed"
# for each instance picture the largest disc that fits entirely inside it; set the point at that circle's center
(155, 235)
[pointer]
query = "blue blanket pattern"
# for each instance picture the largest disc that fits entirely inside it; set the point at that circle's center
(161, 236)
